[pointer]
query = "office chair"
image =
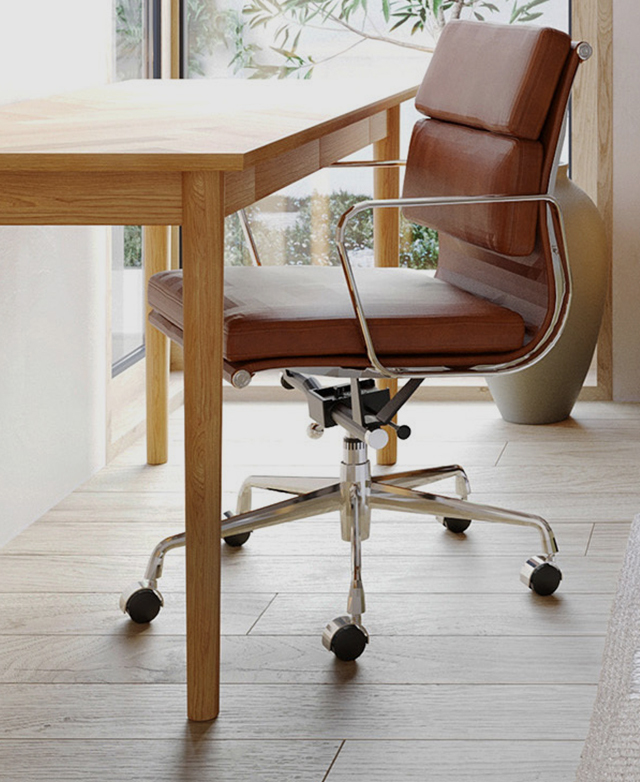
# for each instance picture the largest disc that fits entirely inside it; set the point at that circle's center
(480, 169)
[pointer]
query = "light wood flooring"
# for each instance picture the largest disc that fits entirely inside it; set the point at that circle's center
(468, 676)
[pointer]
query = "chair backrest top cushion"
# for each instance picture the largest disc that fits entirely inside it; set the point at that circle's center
(494, 77)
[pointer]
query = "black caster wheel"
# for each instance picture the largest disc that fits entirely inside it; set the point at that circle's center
(456, 525)
(285, 383)
(540, 576)
(141, 603)
(237, 540)
(346, 640)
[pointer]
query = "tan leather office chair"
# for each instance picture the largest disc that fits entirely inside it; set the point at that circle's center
(480, 169)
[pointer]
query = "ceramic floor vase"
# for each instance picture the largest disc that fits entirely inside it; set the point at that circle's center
(547, 391)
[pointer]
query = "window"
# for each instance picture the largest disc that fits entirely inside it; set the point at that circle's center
(137, 56)
(321, 39)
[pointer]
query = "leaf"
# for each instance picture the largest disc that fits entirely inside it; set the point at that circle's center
(400, 22)
(385, 10)
(531, 17)
(478, 16)
(288, 53)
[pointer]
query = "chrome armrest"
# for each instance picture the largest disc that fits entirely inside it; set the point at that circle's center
(249, 238)
(368, 164)
(560, 270)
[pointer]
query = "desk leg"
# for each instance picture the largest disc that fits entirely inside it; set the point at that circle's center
(156, 259)
(202, 261)
(386, 184)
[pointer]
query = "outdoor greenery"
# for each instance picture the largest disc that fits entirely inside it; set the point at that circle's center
(132, 246)
(363, 20)
(129, 39)
(292, 244)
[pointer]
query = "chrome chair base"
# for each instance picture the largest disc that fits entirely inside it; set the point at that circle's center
(354, 496)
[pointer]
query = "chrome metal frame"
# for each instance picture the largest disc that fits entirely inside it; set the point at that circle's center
(368, 164)
(249, 237)
(354, 495)
(561, 281)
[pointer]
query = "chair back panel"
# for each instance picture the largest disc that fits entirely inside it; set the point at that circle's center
(447, 159)
(493, 77)
(516, 282)
(510, 84)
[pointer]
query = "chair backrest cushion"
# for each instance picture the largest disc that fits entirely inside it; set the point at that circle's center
(488, 92)
(494, 77)
(446, 159)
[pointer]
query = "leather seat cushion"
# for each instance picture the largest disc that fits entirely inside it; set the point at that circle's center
(494, 78)
(280, 312)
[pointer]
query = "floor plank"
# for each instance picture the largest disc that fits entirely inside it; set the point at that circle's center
(151, 658)
(246, 573)
(310, 536)
(523, 614)
(299, 711)
(609, 539)
(464, 761)
(99, 613)
(180, 760)
(573, 477)
(147, 506)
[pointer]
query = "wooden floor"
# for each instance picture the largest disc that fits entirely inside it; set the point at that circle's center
(468, 676)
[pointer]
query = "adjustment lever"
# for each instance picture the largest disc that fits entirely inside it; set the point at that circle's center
(403, 431)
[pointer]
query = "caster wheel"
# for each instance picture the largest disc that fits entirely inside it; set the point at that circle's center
(540, 576)
(456, 525)
(285, 383)
(237, 540)
(346, 640)
(142, 603)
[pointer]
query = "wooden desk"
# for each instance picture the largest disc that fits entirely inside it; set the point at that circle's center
(160, 153)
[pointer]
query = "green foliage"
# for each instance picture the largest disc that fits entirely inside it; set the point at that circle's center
(308, 235)
(129, 39)
(132, 247)
(523, 13)
(420, 247)
(287, 19)
(129, 21)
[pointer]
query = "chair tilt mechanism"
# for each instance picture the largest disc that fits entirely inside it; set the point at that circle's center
(481, 170)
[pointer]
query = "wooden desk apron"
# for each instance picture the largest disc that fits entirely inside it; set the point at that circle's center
(116, 154)
(163, 152)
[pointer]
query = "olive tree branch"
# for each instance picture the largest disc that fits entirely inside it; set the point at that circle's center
(370, 36)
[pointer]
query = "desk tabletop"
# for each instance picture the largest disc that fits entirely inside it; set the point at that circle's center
(182, 125)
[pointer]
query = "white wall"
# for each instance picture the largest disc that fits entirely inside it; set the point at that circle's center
(626, 201)
(52, 284)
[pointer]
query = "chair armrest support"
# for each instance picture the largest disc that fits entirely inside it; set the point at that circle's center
(561, 277)
(249, 238)
(368, 164)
